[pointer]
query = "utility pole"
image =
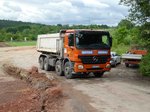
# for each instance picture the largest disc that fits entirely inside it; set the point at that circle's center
(25, 39)
(11, 39)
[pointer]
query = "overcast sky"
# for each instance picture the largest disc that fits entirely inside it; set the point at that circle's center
(64, 11)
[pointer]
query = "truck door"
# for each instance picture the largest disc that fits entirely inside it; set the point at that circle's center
(69, 45)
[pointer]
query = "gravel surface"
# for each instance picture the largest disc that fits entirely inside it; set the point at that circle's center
(120, 90)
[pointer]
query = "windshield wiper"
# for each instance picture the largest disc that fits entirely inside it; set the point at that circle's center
(92, 46)
(99, 45)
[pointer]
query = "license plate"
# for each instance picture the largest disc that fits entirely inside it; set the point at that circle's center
(95, 66)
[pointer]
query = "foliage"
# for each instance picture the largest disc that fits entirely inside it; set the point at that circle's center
(126, 23)
(121, 48)
(126, 33)
(120, 34)
(8, 23)
(145, 65)
(140, 13)
(145, 35)
(19, 30)
(139, 10)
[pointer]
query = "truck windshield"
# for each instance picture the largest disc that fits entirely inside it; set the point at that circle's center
(92, 40)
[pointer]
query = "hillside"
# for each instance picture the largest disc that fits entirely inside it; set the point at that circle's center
(18, 30)
(10, 23)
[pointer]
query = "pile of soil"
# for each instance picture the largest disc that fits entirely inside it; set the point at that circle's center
(3, 44)
(45, 94)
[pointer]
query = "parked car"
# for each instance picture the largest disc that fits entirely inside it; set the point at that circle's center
(115, 59)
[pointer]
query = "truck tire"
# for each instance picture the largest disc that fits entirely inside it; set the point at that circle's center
(58, 68)
(115, 63)
(126, 64)
(47, 67)
(68, 71)
(98, 74)
(41, 62)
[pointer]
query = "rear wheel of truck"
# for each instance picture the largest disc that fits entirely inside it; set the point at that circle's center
(98, 74)
(68, 71)
(58, 68)
(47, 67)
(41, 62)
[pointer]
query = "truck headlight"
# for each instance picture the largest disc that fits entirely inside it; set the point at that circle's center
(108, 66)
(80, 67)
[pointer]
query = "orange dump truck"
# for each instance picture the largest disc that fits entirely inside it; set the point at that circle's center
(133, 57)
(75, 51)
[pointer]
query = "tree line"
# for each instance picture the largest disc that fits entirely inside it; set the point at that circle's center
(17, 30)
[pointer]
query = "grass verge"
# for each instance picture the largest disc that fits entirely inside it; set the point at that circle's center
(28, 43)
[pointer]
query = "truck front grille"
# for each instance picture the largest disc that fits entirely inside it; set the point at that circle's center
(94, 59)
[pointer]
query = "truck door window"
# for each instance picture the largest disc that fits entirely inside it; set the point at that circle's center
(104, 39)
(71, 40)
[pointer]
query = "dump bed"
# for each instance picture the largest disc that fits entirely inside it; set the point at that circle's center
(132, 56)
(47, 42)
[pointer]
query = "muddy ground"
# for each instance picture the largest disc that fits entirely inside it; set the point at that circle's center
(120, 90)
(3, 44)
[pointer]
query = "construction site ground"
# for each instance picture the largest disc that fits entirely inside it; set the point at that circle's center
(120, 90)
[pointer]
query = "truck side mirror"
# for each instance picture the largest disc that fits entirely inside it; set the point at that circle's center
(110, 41)
(71, 40)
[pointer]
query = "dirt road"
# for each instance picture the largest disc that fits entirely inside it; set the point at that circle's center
(121, 90)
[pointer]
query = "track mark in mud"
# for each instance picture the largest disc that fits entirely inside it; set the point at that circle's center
(20, 49)
(45, 95)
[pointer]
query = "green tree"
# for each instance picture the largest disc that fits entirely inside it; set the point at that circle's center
(145, 65)
(120, 34)
(145, 35)
(126, 23)
(8, 36)
(139, 10)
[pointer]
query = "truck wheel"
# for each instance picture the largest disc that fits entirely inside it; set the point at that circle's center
(115, 64)
(41, 62)
(47, 67)
(98, 74)
(126, 64)
(58, 68)
(68, 71)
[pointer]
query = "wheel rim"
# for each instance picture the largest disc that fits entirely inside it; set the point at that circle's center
(57, 68)
(67, 70)
(41, 63)
(45, 64)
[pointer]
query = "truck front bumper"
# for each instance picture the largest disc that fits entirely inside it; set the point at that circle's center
(79, 67)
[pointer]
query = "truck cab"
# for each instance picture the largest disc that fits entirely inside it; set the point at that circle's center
(81, 51)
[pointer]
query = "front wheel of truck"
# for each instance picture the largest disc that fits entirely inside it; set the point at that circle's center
(68, 71)
(58, 68)
(98, 74)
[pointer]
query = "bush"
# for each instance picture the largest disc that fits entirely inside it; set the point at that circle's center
(145, 65)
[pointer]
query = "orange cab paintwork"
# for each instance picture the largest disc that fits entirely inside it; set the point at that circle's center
(73, 54)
